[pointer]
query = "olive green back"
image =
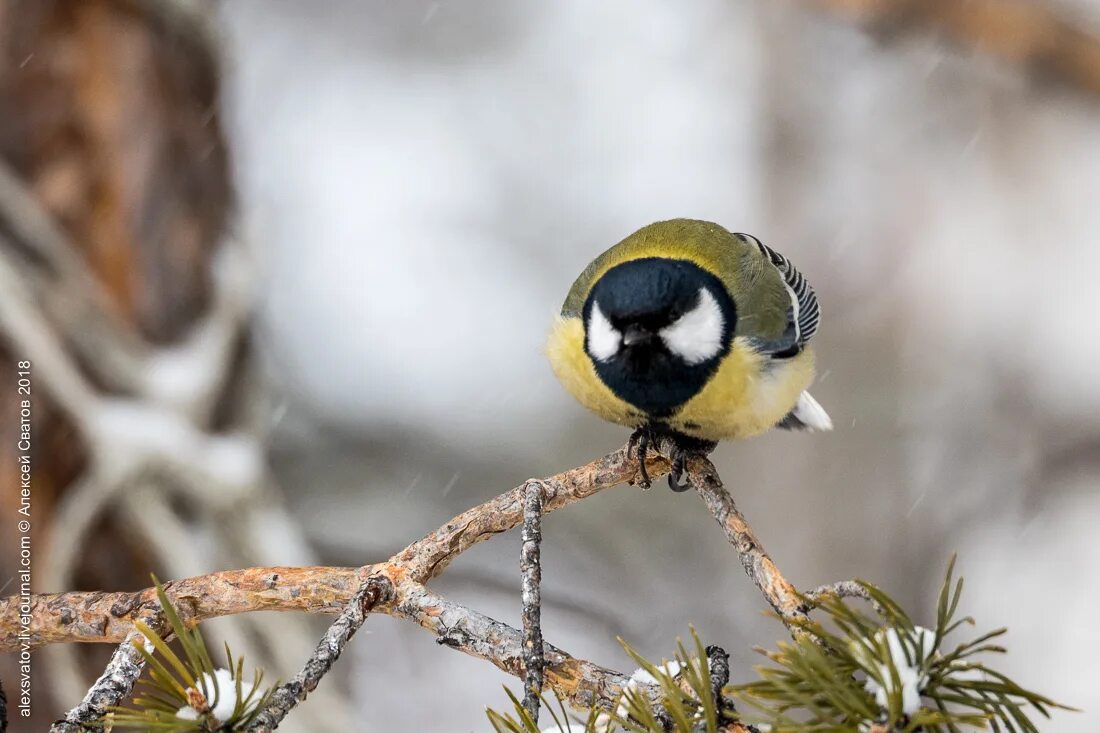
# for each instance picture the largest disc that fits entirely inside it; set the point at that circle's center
(754, 284)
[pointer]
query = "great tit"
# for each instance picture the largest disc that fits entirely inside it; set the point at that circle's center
(687, 330)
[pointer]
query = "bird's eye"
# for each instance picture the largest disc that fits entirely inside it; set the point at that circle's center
(696, 336)
(603, 339)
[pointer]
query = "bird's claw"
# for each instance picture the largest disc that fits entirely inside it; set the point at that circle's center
(639, 446)
(683, 448)
(679, 461)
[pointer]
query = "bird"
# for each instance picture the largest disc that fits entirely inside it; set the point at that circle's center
(688, 331)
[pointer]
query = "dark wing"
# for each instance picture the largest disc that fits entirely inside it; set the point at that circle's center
(804, 314)
(803, 318)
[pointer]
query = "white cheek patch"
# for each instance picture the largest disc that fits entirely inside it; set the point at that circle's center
(603, 339)
(696, 336)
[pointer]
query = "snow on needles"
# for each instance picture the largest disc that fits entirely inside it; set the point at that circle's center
(642, 677)
(604, 723)
(921, 644)
(221, 690)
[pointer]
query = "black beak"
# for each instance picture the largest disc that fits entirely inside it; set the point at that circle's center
(634, 335)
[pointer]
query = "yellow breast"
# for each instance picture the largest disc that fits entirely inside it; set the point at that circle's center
(574, 369)
(741, 399)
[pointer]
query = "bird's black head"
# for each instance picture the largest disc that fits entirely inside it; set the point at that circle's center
(656, 330)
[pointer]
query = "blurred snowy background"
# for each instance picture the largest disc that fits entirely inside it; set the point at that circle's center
(418, 184)
(421, 182)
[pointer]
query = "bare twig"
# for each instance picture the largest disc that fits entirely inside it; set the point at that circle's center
(840, 589)
(777, 590)
(1033, 35)
(428, 557)
(113, 685)
(287, 696)
(531, 571)
(580, 682)
(718, 664)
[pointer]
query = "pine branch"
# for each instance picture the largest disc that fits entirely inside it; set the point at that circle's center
(108, 617)
(531, 570)
(395, 587)
(103, 617)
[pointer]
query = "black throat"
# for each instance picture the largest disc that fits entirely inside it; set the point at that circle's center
(639, 298)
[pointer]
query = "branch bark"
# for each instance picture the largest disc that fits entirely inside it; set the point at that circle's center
(107, 617)
(114, 685)
(580, 682)
(776, 589)
(396, 588)
(718, 663)
(531, 573)
(287, 696)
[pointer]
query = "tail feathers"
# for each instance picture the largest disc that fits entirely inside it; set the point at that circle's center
(807, 414)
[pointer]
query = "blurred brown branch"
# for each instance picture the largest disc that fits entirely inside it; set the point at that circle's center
(123, 284)
(1033, 35)
(397, 589)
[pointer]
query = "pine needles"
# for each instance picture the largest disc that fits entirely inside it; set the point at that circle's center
(881, 672)
(188, 695)
(675, 695)
(853, 672)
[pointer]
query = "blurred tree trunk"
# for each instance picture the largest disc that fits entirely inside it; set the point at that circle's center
(108, 114)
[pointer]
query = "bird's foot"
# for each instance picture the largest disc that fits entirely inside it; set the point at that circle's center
(637, 447)
(683, 449)
(679, 461)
